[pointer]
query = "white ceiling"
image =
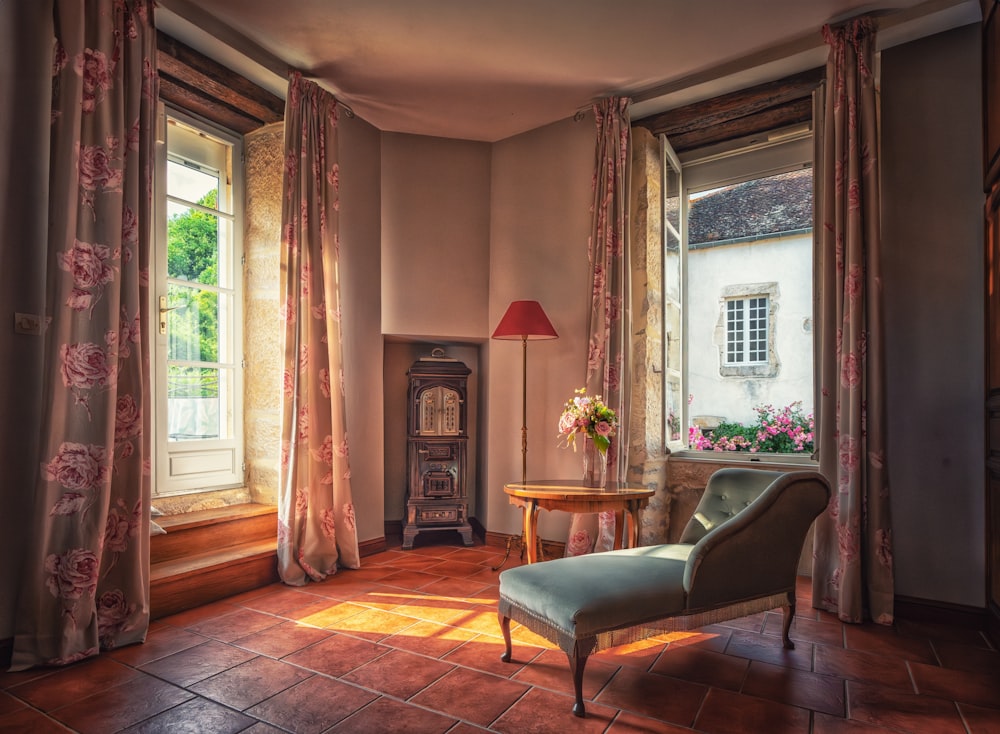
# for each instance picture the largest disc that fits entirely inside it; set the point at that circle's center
(488, 69)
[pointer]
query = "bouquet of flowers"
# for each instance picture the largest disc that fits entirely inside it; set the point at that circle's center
(590, 416)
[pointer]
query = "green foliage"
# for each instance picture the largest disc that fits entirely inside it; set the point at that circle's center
(193, 243)
(192, 255)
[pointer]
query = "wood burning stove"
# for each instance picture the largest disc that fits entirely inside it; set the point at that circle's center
(437, 438)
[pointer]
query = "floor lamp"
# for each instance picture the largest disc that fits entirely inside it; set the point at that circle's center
(524, 320)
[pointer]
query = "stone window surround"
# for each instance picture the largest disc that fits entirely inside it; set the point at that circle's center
(749, 290)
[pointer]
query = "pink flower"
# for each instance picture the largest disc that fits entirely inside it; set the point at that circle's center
(128, 418)
(327, 524)
(130, 227)
(72, 574)
(78, 466)
(88, 263)
(79, 300)
(84, 365)
(95, 69)
(118, 529)
(603, 428)
(96, 171)
(349, 520)
(113, 612)
(850, 371)
(579, 543)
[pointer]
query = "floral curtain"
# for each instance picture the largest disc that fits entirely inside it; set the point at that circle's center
(316, 529)
(86, 578)
(852, 567)
(608, 322)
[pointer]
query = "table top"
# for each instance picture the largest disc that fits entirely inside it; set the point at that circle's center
(558, 488)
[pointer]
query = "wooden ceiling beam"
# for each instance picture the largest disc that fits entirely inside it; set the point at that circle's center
(746, 112)
(758, 123)
(199, 84)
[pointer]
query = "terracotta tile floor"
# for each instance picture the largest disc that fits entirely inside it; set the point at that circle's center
(410, 643)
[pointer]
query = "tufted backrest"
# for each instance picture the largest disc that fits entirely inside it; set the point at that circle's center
(729, 490)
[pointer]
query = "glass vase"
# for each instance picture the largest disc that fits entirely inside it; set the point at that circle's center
(595, 464)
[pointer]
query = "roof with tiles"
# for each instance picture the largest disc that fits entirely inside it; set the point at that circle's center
(753, 209)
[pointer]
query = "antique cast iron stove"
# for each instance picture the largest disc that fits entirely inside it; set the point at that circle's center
(437, 494)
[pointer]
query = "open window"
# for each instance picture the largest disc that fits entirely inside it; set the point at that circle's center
(738, 301)
(198, 303)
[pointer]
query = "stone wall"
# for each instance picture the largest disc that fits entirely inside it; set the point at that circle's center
(647, 452)
(262, 324)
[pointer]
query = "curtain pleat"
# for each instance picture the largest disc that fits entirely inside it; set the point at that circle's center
(608, 320)
(852, 565)
(86, 580)
(316, 526)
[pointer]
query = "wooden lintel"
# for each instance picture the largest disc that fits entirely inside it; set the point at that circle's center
(191, 101)
(731, 107)
(183, 68)
(790, 113)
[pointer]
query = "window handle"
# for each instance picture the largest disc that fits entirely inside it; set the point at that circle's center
(164, 310)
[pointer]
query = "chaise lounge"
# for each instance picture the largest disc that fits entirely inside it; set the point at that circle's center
(738, 555)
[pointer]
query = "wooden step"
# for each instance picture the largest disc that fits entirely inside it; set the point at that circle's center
(194, 532)
(211, 554)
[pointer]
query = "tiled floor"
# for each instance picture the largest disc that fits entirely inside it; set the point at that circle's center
(410, 643)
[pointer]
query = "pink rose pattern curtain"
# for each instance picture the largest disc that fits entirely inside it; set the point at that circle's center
(86, 580)
(608, 322)
(316, 529)
(852, 567)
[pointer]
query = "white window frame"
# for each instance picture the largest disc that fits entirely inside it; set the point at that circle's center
(747, 341)
(703, 170)
(200, 465)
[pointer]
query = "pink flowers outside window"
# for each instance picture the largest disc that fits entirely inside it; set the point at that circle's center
(777, 431)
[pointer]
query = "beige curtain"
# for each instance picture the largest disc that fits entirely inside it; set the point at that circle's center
(86, 577)
(316, 528)
(608, 322)
(852, 568)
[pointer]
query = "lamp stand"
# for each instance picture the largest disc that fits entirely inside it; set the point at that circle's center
(524, 409)
(520, 540)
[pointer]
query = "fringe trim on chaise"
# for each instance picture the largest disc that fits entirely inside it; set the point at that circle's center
(638, 631)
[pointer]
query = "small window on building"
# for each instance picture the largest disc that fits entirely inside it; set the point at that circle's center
(746, 331)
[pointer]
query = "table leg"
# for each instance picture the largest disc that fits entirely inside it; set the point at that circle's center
(619, 529)
(531, 530)
(633, 526)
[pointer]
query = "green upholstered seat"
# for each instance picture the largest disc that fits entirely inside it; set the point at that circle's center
(738, 555)
(636, 585)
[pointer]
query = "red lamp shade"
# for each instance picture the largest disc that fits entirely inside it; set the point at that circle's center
(525, 320)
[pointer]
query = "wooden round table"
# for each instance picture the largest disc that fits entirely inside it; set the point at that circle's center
(571, 496)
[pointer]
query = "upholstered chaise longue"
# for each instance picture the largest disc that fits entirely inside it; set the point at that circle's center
(738, 555)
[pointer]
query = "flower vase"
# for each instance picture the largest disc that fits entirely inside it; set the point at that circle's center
(595, 464)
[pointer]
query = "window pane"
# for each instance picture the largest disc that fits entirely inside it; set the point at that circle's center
(193, 324)
(757, 328)
(192, 245)
(748, 301)
(193, 403)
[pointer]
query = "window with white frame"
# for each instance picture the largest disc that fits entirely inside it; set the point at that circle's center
(737, 264)
(746, 330)
(198, 299)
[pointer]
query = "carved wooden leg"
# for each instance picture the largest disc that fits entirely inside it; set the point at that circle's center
(789, 610)
(505, 629)
(576, 666)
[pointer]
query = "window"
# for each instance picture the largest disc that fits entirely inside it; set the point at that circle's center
(198, 292)
(746, 331)
(738, 299)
